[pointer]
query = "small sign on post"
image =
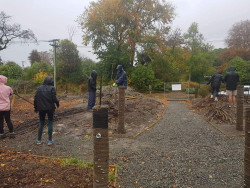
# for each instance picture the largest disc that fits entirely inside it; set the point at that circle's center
(176, 87)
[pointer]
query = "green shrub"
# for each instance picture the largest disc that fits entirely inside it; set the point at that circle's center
(190, 90)
(11, 70)
(158, 86)
(203, 91)
(142, 77)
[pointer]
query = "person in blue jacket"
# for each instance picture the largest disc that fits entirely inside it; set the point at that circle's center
(121, 77)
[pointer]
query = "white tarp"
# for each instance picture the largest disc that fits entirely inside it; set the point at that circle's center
(176, 87)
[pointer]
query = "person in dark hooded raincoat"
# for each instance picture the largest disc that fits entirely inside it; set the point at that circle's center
(44, 103)
(215, 81)
(121, 77)
(92, 89)
(231, 79)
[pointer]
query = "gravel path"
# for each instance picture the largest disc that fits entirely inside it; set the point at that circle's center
(182, 150)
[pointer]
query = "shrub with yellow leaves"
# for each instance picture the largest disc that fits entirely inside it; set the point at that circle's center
(40, 76)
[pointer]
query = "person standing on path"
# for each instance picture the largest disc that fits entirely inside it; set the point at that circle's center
(215, 81)
(5, 92)
(231, 79)
(121, 77)
(92, 89)
(44, 103)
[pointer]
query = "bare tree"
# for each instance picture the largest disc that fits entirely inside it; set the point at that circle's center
(239, 35)
(71, 31)
(45, 57)
(10, 32)
(175, 38)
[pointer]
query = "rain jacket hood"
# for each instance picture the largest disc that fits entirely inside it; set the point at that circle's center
(232, 68)
(119, 67)
(3, 79)
(92, 81)
(94, 75)
(48, 81)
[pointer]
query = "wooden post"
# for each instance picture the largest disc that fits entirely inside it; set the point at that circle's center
(247, 148)
(101, 147)
(121, 109)
(240, 107)
(150, 89)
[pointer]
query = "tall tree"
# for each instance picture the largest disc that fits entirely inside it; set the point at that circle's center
(194, 40)
(1, 61)
(199, 61)
(68, 61)
(34, 57)
(175, 39)
(45, 57)
(9, 32)
(239, 35)
(124, 24)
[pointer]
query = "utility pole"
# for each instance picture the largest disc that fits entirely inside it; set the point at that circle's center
(55, 45)
(23, 64)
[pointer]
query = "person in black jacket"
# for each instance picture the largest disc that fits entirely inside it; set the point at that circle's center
(215, 81)
(92, 89)
(231, 79)
(44, 103)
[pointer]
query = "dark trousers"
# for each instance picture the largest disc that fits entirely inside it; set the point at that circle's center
(91, 102)
(42, 115)
(5, 115)
(217, 89)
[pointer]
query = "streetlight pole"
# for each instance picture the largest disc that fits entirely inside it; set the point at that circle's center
(55, 45)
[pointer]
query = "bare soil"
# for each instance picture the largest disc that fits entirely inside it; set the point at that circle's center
(26, 170)
(72, 128)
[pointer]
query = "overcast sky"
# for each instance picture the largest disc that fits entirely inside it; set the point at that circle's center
(50, 19)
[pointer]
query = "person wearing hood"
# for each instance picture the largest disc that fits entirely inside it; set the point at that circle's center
(231, 79)
(5, 92)
(215, 81)
(44, 102)
(121, 77)
(92, 89)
